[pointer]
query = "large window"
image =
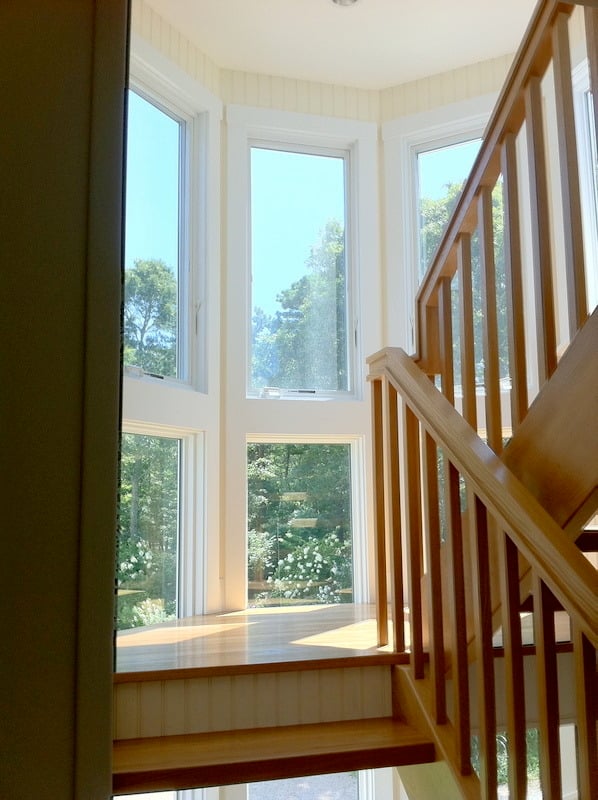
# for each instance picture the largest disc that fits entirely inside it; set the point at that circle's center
(153, 333)
(299, 278)
(300, 544)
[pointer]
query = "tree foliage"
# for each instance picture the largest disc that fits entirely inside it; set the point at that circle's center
(289, 486)
(150, 317)
(148, 530)
(434, 217)
(304, 344)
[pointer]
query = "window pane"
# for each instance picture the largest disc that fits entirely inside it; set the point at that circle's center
(148, 530)
(441, 173)
(336, 786)
(299, 524)
(152, 239)
(299, 339)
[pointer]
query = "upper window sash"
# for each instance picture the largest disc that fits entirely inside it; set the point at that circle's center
(301, 323)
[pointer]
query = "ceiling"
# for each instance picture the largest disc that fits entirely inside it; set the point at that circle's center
(371, 45)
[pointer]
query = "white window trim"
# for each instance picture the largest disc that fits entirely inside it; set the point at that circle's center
(403, 139)
(247, 125)
(291, 417)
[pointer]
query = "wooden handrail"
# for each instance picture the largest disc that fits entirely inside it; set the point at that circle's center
(561, 565)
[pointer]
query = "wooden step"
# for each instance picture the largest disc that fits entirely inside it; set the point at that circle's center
(217, 759)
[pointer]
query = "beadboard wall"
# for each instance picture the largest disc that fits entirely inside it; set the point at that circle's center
(309, 97)
(235, 702)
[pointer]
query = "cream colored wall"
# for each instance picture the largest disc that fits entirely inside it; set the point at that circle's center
(309, 97)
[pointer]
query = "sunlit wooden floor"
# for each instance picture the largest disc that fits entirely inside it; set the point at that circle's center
(253, 637)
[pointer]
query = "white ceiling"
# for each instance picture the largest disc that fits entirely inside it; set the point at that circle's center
(372, 45)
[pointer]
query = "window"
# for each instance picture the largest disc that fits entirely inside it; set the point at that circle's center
(423, 153)
(300, 543)
(148, 539)
(300, 318)
(440, 176)
(154, 339)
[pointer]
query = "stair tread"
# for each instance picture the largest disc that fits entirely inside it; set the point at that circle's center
(220, 758)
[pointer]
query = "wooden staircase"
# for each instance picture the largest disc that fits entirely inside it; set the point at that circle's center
(475, 534)
(212, 726)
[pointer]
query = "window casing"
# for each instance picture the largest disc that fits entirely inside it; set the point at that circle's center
(311, 416)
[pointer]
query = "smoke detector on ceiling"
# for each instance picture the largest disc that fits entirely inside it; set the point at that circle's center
(344, 2)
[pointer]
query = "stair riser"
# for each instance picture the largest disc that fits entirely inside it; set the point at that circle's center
(199, 705)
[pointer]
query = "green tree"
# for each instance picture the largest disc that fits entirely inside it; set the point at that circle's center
(150, 317)
(304, 345)
(434, 217)
(289, 483)
(148, 529)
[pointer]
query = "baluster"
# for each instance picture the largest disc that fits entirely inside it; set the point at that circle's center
(457, 611)
(466, 330)
(393, 511)
(490, 326)
(587, 710)
(379, 513)
(514, 285)
(540, 231)
(569, 170)
(482, 609)
(434, 585)
(548, 697)
(446, 339)
(508, 561)
(412, 480)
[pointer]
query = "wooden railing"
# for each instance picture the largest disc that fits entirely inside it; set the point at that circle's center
(439, 556)
(540, 300)
(455, 529)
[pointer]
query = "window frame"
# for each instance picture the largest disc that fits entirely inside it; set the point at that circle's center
(351, 341)
(403, 139)
(191, 557)
(304, 133)
(189, 408)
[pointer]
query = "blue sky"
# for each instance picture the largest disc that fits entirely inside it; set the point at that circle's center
(293, 195)
(152, 208)
(445, 165)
